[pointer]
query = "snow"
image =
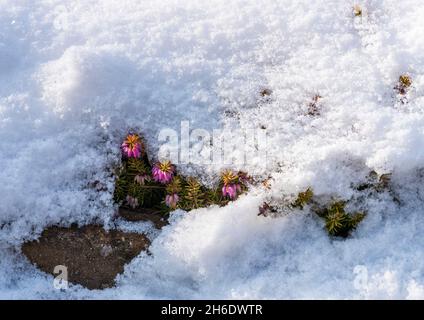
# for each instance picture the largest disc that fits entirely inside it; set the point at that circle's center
(76, 75)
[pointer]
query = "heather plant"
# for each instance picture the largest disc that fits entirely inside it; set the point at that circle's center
(142, 185)
(402, 88)
(337, 221)
(134, 186)
(303, 198)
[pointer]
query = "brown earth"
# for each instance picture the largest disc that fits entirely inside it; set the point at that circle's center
(143, 214)
(92, 255)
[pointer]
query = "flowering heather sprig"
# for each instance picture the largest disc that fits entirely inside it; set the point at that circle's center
(232, 185)
(171, 200)
(163, 172)
(231, 190)
(229, 177)
(132, 202)
(142, 179)
(131, 147)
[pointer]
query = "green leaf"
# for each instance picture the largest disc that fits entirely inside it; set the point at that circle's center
(303, 198)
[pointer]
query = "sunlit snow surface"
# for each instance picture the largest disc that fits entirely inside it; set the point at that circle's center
(76, 75)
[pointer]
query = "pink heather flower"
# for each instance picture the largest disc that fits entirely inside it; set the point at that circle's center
(141, 178)
(131, 147)
(163, 172)
(132, 202)
(171, 200)
(231, 190)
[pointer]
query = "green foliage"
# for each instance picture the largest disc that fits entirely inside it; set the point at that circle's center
(149, 194)
(405, 81)
(336, 219)
(303, 198)
(121, 188)
(356, 219)
(338, 222)
(134, 181)
(214, 196)
(136, 167)
(193, 194)
(174, 186)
